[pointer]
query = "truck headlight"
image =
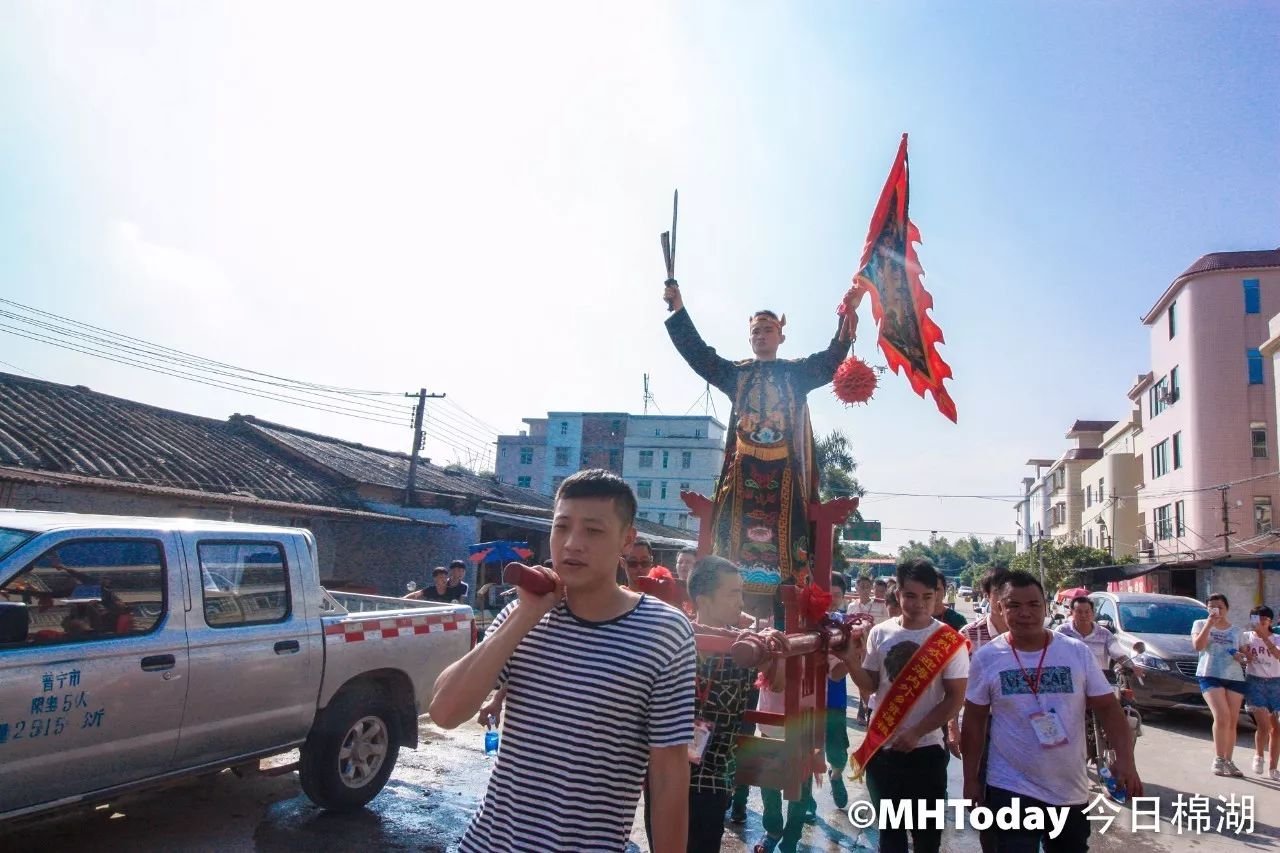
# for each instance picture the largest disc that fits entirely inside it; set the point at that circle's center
(1153, 662)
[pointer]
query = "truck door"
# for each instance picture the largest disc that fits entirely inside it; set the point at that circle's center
(252, 683)
(93, 664)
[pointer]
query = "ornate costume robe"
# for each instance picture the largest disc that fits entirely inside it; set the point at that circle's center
(761, 518)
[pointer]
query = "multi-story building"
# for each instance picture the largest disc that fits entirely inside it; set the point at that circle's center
(1065, 485)
(1109, 517)
(1208, 443)
(1033, 509)
(658, 455)
(667, 455)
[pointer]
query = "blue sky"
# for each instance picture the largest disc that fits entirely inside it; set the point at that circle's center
(469, 199)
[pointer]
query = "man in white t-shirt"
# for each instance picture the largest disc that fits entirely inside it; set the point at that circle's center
(912, 763)
(865, 604)
(1102, 643)
(1031, 686)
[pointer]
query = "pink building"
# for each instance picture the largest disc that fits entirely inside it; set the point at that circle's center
(1209, 411)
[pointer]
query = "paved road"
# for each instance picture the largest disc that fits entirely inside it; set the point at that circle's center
(435, 788)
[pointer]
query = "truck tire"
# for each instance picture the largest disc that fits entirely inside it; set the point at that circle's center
(350, 752)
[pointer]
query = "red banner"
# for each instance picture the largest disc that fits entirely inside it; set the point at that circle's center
(925, 665)
(890, 272)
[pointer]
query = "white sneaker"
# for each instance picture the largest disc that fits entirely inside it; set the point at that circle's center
(1275, 774)
(1232, 770)
(1220, 767)
(1258, 765)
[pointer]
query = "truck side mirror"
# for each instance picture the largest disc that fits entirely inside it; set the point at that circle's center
(14, 622)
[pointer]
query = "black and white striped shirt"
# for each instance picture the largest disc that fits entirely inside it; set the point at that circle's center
(586, 701)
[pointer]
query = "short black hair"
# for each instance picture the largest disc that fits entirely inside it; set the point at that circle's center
(920, 570)
(1217, 596)
(1021, 580)
(706, 574)
(643, 543)
(1263, 610)
(439, 570)
(689, 550)
(994, 579)
(457, 564)
(1083, 599)
(864, 577)
(599, 483)
(881, 581)
(891, 599)
(838, 579)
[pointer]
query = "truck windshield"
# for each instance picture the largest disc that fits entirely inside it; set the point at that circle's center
(1158, 617)
(10, 539)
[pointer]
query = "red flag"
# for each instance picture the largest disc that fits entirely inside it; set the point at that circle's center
(890, 272)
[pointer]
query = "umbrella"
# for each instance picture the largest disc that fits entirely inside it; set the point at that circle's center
(500, 551)
(1075, 591)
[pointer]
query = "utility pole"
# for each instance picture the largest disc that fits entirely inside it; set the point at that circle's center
(422, 396)
(1226, 523)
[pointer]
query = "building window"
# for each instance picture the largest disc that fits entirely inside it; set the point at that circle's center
(1262, 514)
(1180, 518)
(1088, 537)
(504, 453)
(644, 515)
(1160, 397)
(586, 459)
(526, 456)
(697, 433)
(666, 458)
(613, 459)
(616, 426)
(1102, 489)
(683, 520)
(1252, 297)
(646, 458)
(1177, 450)
(1088, 496)
(1255, 367)
(564, 427)
(1175, 390)
(662, 518)
(1173, 321)
(1258, 436)
(644, 489)
(555, 483)
(658, 432)
(662, 490)
(1164, 523)
(1160, 459)
(686, 459)
(684, 487)
(562, 457)
(524, 482)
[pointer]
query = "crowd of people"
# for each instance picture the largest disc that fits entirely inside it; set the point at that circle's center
(604, 696)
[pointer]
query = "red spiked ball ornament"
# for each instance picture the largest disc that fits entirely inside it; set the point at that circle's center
(855, 381)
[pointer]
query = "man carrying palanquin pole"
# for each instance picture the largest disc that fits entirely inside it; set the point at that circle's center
(760, 519)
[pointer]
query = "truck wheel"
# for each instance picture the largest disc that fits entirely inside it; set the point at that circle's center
(350, 752)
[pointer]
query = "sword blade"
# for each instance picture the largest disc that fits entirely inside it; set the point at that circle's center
(675, 213)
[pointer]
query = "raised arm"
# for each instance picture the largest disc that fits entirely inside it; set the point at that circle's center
(816, 370)
(702, 358)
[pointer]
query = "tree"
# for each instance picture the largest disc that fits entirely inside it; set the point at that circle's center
(966, 561)
(835, 463)
(1061, 560)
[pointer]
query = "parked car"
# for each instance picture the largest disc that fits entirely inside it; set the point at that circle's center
(966, 592)
(1163, 622)
(134, 651)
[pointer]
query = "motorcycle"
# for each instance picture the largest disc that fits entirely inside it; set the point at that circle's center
(1101, 753)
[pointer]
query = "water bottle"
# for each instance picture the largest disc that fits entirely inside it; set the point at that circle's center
(490, 738)
(1113, 789)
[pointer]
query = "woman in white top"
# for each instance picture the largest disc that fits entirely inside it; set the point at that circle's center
(1220, 672)
(1262, 679)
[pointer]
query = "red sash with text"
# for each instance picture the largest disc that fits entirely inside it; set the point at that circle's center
(911, 683)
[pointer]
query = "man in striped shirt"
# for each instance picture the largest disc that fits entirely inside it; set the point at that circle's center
(599, 685)
(984, 630)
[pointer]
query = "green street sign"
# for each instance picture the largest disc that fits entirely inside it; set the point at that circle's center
(861, 531)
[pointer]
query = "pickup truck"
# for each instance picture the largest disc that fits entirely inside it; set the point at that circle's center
(134, 651)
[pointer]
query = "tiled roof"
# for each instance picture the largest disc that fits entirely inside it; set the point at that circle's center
(1089, 426)
(1215, 261)
(359, 463)
(73, 430)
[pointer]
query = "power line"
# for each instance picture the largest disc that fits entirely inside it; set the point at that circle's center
(156, 355)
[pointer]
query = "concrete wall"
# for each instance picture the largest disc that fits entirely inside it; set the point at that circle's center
(1244, 589)
(1119, 472)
